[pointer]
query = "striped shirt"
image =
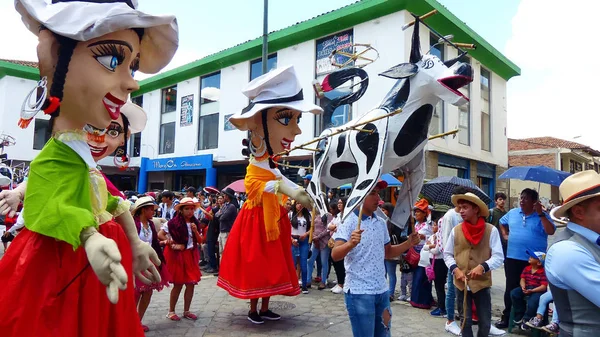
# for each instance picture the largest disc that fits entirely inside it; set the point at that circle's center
(534, 280)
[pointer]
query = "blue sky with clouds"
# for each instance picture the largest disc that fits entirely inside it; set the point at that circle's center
(552, 97)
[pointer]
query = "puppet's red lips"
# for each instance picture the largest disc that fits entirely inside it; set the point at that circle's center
(113, 105)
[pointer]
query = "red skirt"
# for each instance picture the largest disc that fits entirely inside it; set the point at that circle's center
(165, 279)
(183, 265)
(251, 266)
(50, 290)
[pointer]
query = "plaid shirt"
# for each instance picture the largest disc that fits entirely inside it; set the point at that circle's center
(534, 280)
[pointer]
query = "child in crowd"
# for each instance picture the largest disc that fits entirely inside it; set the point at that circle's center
(537, 321)
(526, 298)
(434, 246)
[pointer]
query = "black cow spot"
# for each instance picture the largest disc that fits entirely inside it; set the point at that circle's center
(364, 184)
(319, 203)
(398, 96)
(313, 188)
(341, 144)
(343, 170)
(414, 131)
(368, 143)
(352, 201)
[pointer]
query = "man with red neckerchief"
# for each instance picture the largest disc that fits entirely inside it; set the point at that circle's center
(473, 250)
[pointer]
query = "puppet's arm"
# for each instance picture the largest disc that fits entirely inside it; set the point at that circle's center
(293, 191)
(10, 199)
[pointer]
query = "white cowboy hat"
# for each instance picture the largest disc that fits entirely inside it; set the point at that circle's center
(86, 20)
(143, 202)
(187, 202)
(279, 87)
(575, 189)
(136, 115)
(483, 208)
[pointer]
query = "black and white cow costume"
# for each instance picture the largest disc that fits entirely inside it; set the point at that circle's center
(396, 142)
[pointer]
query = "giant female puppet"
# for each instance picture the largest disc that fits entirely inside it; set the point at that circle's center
(257, 260)
(72, 260)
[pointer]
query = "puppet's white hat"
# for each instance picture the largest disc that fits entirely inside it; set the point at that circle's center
(85, 20)
(136, 115)
(278, 88)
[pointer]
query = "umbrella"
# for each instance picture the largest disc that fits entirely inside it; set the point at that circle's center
(439, 190)
(541, 174)
(237, 186)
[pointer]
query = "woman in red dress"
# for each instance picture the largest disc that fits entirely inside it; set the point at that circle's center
(257, 260)
(182, 236)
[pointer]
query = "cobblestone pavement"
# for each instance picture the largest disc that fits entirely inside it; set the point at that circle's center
(320, 313)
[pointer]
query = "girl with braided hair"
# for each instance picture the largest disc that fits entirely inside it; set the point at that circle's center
(73, 262)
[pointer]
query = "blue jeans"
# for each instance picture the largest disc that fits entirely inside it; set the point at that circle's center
(324, 254)
(390, 269)
(450, 297)
(302, 252)
(524, 306)
(545, 299)
(366, 314)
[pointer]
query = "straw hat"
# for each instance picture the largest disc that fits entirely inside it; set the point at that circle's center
(87, 20)
(277, 88)
(187, 202)
(143, 202)
(483, 208)
(575, 189)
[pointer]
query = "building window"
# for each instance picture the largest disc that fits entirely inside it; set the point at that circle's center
(256, 66)
(438, 119)
(135, 144)
(168, 117)
(446, 171)
(486, 108)
(596, 167)
(41, 133)
(464, 113)
(343, 42)
(138, 100)
(208, 126)
(167, 138)
(575, 166)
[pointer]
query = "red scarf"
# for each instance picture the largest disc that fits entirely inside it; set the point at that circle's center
(474, 233)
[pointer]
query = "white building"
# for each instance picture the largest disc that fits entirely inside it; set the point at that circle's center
(188, 140)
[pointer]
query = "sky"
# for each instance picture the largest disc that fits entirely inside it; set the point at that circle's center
(552, 97)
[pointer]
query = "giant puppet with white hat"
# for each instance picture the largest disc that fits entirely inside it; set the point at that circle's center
(70, 272)
(257, 260)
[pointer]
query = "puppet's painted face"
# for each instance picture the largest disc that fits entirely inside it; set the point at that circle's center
(114, 137)
(99, 78)
(282, 124)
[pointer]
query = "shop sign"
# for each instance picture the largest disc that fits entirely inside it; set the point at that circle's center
(181, 163)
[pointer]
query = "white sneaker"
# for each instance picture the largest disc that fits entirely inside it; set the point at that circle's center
(402, 298)
(496, 332)
(337, 289)
(453, 328)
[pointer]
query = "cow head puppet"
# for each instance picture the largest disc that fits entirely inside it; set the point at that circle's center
(383, 140)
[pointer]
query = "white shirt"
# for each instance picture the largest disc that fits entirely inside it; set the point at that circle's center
(146, 234)
(302, 224)
(190, 243)
(167, 212)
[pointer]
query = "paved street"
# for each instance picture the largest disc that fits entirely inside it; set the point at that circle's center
(320, 313)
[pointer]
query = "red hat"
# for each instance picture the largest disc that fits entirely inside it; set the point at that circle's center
(381, 184)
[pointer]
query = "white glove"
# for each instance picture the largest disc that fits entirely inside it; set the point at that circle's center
(10, 199)
(105, 259)
(299, 194)
(145, 261)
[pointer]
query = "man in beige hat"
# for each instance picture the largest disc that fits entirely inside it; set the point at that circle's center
(473, 249)
(573, 262)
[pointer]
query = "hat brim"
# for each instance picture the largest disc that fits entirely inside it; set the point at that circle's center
(144, 204)
(240, 119)
(483, 208)
(84, 21)
(211, 190)
(179, 205)
(136, 115)
(532, 254)
(561, 211)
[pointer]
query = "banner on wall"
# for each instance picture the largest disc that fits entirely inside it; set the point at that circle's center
(227, 124)
(187, 110)
(340, 42)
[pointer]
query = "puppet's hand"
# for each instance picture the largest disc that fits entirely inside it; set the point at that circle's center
(105, 259)
(298, 194)
(9, 202)
(145, 261)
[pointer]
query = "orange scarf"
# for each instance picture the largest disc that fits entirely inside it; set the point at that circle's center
(255, 181)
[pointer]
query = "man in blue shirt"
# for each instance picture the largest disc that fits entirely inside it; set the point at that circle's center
(573, 262)
(526, 227)
(364, 251)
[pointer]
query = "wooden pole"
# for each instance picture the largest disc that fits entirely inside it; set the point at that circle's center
(312, 224)
(442, 135)
(422, 17)
(359, 218)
